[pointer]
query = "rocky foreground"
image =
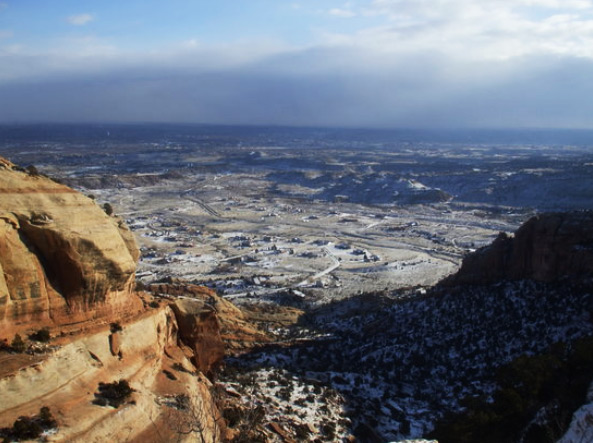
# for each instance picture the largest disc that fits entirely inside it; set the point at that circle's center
(110, 364)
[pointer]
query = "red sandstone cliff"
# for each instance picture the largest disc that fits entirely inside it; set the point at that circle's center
(237, 329)
(67, 265)
(62, 259)
(546, 247)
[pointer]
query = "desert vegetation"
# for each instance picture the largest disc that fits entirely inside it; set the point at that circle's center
(29, 428)
(113, 394)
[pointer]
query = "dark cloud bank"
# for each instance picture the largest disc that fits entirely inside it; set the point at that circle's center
(321, 89)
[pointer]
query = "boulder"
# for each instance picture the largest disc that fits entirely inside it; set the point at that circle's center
(62, 259)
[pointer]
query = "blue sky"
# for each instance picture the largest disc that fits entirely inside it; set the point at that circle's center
(134, 24)
(374, 63)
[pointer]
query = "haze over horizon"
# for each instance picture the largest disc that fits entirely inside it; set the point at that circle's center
(375, 63)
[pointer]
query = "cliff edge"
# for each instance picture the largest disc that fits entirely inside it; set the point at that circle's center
(112, 369)
(63, 260)
(545, 248)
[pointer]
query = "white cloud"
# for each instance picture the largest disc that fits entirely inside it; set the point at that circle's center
(558, 4)
(191, 43)
(448, 62)
(339, 12)
(14, 49)
(485, 29)
(91, 54)
(80, 19)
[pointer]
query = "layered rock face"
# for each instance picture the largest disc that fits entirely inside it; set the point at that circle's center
(199, 329)
(65, 264)
(67, 380)
(62, 259)
(545, 248)
(237, 331)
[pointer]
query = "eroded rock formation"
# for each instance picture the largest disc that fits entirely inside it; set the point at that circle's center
(237, 329)
(68, 379)
(199, 329)
(62, 259)
(66, 264)
(545, 248)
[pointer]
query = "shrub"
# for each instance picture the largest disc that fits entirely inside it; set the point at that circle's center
(301, 432)
(556, 382)
(18, 345)
(100, 401)
(28, 428)
(46, 419)
(329, 430)
(41, 335)
(108, 209)
(113, 394)
(115, 327)
(140, 286)
(233, 415)
(32, 170)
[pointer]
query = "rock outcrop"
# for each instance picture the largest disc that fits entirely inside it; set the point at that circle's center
(581, 426)
(63, 261)
(67, 265)
(199, 329)
(545, 248)
(238, 330)
(155, 368)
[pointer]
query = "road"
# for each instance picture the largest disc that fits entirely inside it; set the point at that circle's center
(206, 207)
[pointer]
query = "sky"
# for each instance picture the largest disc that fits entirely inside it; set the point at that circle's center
(373, 63)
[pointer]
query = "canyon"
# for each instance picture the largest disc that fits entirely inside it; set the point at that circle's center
(267, 293)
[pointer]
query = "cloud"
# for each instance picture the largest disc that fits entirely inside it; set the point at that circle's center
(558, 4)
(80, 19)
(76, 55)
(191, 43)
(488, 29)
(444, 63)
(311, 88)
(344, 13)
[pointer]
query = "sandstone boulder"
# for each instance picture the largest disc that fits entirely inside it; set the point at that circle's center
(62, 259)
